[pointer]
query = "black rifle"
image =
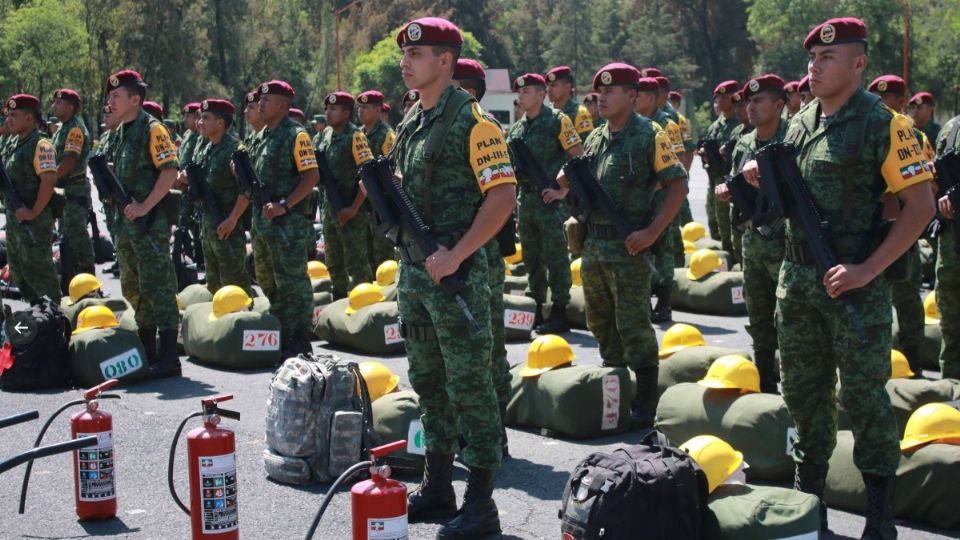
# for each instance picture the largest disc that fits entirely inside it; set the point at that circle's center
(948, 182)
(12, 199)
(201, 193)
(783, 186)
(254, 188)
(587, 195)
(744, 197)
(330, 183)
(713, 160)
(110, 187)
(525, 164)
(396, 217)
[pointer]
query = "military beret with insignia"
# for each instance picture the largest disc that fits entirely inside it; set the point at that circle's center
(410, 96)
(648, 84)
(127, 77)
(385, 107)
(738, 96)
(370, 96)
(23, 101)
(804, 84)
(663, 82)
(837, 31)
(922, 97)
(560, 72)
(219, 106)
(650, 72)
(674, 95)
(592, 97)
(153, 109)
(191, 107)
(617, 74)
(791, 86)
(761, 83)
(888, 84)
(726, 87)
(468, 68)
(528, 79)
(339, 98)
(253, 96)
(69, 95)
(277, 88)
(430, 31)
(296, 114)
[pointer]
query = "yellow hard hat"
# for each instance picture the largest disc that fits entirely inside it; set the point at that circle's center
(82, 285)
(516, 258)
(680, 336)
(229, 299)
(317, 270)
(575, 272)
(387, 273)
(363, 295)
(546, 353)
(702, 262)
(934, 422)
(95, 317)
(688, 247)
(380, 380)
(930, 310)
(899, 367)
(693, 231)
(717, 458)
(732, 371)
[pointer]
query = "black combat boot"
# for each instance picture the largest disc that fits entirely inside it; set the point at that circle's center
(504, 449)
(810, 478)
(538, 317)
(643, 409)
(478, 517)
(557, 322)
(769, 375)
(879, 508)
(434, 499)
(148, 336)
(663, 311)
(168, 359)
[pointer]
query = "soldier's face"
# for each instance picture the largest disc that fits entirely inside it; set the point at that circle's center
(122, 102)
(559, 90)
(762, 109)
(893, 101)
(834, 68)
(723, 103)
(921, 113)
(337, 115)
(252, 113)
(368, 113)
(420, 66)
(207, 125)
(273, 107)
(592, 107)
(528, 97)
(614, 101)
(190, 121)
(741, 112)
(675, 103)
(20, 121)
(793, 100)
(805, 97)
(62, 108)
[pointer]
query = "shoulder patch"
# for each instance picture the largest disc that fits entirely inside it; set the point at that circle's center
(584, 121)
(44, 158)
(664, 155)
(489, 157)
(74, 143)
(303, 155)
(162, 149)
(388, 142)
(905, 163)
(568, 136)
(361, 148)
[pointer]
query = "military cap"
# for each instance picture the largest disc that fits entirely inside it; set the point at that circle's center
(804, 84)
(385, 107)
(154, 108)
(69, 95)
(616, 74)
(277, 88)
(791, 87)
(648, 84)
(339, 98)
(23, 101)
(219, 106)
(650, 72)
(319, 119)
(411, 96)
(888, 84)
(761, 83)
(253, 96)
(430, 31)
(127, 77)
(837, 31)
(370, 96)
(191, 107)
(528, 79)
(560, 72)
(297, 115)
(675, 95)
(726, 87)
(663, 82)
(592, 97)
(922, 97)
(468, 68)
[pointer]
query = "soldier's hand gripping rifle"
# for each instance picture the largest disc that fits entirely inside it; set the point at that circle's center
(783, 186)
(201, 193)
(587, 195)
(253, 188)
(744, 198)
(397, 218)
(713, 160)
(330, 183)
(525, 164)
(948, 182)
(110, 187)
(12, 199)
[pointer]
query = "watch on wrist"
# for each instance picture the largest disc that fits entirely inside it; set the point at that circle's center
(283, 204)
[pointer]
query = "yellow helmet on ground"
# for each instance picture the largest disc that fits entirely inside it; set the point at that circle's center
(95, 317)
(733, 371)
(516, 257)
(380, 380)
(317, 270)
(702, 262)
(717, 458)
(932, 423)
(545, 353)
(229, 299)
(930, 310)
(363, 295)
(575, 272)
(387, 273)
(82, 285)
(693, 231)
(899, 366)
(688, 247)
(678, 337)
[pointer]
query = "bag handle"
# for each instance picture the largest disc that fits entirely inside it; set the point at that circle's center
(368, 435)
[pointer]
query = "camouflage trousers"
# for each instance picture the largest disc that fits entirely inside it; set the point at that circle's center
(347, 251)
(544, 251)
(762, 258)
(684, 216)
(668, 241)
(948, 301)
(450, 368)
(29, 258)
(379, 248)
(499, 367)
(736, 238)
(816, 337)
(225, 260)
(147, 279)
(711, 207)
(909, 307)
(73, 227)
(281, 268)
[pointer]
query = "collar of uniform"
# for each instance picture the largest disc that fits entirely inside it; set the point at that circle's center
(437, 109)
(35, 134)
(347, 131)
(811, 114)
(377, 127)
(280, 127)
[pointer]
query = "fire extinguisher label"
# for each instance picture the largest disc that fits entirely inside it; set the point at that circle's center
(95, 466)
(394, 528)
(218, 493)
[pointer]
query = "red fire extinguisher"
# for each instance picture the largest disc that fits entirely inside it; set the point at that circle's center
(94, 482)
(212, 467)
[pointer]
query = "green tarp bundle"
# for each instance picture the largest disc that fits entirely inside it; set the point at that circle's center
(690, 364)
(717, 293)
(99, 354)
(373, 329)
(908, 395)
(929, 347)
(747, 512)
(515, 285)
(241, 340)
(577, 309)
(196, 293)
(118, 306)
(396, 417)
(321, 285)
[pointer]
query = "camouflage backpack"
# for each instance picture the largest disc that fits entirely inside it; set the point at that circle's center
(317, 425)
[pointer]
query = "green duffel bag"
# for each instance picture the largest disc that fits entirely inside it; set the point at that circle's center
(758, 425)
(576, 401)
(241, 340)
(373, 329)
(396, 416)
(747, 512)
(908, 395)
(515, 285)
(577, 309)
(518, 315)
(929, 347)
(717, 293)
(99, 354)
(119, 306)
(690, 365)
(321, 285)
(708, 243)
(725, 257)
(194, 294)
(926, 490)
(320, 301)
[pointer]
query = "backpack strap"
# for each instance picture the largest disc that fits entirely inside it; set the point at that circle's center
(854, 135)
(438, 135)
(368, 439)
(951, 138)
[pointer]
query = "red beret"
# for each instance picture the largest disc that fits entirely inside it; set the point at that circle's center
(127, 77)
(191, 107)
(386, 107)
(761, 83)
(804, 84)
(592, 97)
(738, 96)
(339, 98)
(528, 79)
(888, 84)
(726, 87)
(837, 31)
(648, 84)
(370, 96)
(560, 72)
(277, 88)
(651, 72)
(468, 68)
(791, 87)
(663, 82)
(23, 101)
(616, 73)
(430, 31)
(410, 96)
(922, 97)
(296, 114)
(675, 95)
(69, 95)
(154, 108)
(220, 106)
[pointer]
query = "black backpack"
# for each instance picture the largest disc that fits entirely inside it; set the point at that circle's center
(651, 490)
(38, 340)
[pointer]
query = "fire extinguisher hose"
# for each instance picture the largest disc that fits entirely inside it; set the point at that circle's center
(173, 453)
(332, 491)
(44, 451)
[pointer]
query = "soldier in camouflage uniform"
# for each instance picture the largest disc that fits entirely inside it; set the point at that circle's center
(629, 156)
(251, 113)
(922, 107)
(145, 163)
(347, 230)
(948, 266)
(191, 138)
(560, 89)
(319, 124)
(465, 195)
(550, 136)
(590, 102)
(718, 213)
(815, 331)
(31, 164)
(285, 162)
(740, 110)
(689, 146)
(380, 139)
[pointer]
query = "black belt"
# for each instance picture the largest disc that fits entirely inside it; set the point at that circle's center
(800, 253)
(412, 254)
(602, 232)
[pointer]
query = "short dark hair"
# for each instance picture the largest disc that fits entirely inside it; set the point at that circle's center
(138, 89)
(227, 118)
(440, 49)
(480, 87)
